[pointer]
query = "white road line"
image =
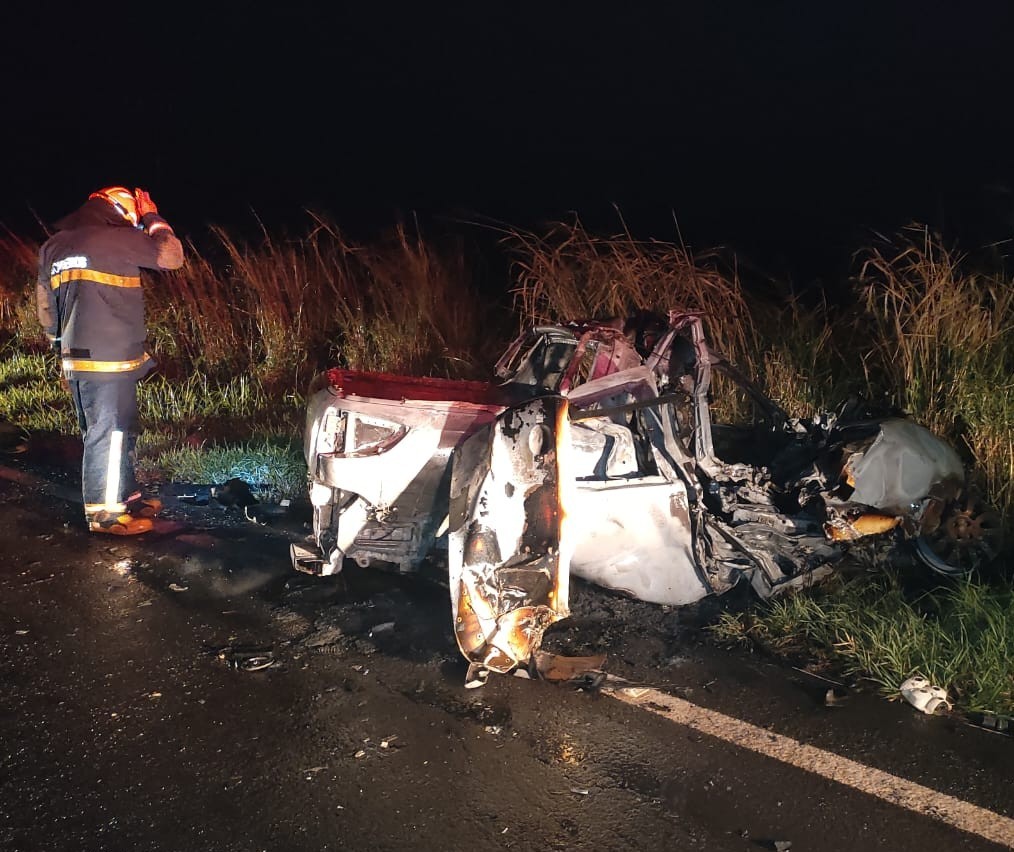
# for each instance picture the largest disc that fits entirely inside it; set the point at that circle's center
(883, 785)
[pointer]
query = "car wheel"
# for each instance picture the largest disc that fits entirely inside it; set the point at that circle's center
(969, 537)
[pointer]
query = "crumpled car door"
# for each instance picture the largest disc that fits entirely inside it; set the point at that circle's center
(508, 553)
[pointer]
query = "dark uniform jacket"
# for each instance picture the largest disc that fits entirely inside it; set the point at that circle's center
(89, 289)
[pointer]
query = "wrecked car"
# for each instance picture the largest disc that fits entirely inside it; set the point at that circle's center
(594, 453)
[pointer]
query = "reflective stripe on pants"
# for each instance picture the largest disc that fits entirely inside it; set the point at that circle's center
(107, 414)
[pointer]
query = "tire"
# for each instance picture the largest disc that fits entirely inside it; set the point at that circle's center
(969, 537)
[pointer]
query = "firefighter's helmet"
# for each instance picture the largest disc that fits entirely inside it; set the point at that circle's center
(122, 199)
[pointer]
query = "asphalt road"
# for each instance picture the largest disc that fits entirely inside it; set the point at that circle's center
(127, 720)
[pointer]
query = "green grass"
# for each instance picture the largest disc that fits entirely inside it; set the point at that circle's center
(273, 468)
(195, 429)
(197, 398)
(959, 636)
(31, 394)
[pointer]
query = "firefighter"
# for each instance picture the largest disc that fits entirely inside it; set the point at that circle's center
(91, 306)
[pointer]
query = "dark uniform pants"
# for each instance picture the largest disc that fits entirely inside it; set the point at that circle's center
(107, 413)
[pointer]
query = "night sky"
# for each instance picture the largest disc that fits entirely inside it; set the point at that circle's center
(783, 131)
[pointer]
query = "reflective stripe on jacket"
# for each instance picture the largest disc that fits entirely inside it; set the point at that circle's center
(90, 365)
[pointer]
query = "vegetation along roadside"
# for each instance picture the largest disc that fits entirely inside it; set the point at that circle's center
(243, 327)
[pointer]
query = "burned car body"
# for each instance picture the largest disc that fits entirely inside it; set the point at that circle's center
(595, 453)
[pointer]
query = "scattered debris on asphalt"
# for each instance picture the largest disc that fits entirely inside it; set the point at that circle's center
(199, 496)
(324, 638)
(124, 566)
(247, 659)
(259, 504)
(234, 492)
(176, 587)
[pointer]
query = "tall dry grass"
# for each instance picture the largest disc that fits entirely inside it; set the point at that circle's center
(406, 305)
(284, 308)
(943, 343)
(18, 271)
(568, 273)
(803, 360)
(791, 350)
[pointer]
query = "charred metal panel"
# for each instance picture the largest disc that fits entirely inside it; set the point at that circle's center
(508, 579)
(773, 558)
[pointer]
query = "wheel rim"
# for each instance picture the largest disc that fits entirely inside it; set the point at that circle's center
(969, 536)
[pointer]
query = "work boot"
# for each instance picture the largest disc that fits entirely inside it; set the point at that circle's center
(143, 507)
(117, 523)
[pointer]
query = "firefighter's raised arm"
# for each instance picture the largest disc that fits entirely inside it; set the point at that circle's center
(169, 254)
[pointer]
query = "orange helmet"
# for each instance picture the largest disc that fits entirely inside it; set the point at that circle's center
(122, 199)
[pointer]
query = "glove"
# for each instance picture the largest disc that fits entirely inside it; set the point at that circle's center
(54, 345)
(144, 203)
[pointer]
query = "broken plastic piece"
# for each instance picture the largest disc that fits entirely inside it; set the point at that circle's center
(476, 676)
(834, 698)
(255, 664)
(918, 692)
(560, 668)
